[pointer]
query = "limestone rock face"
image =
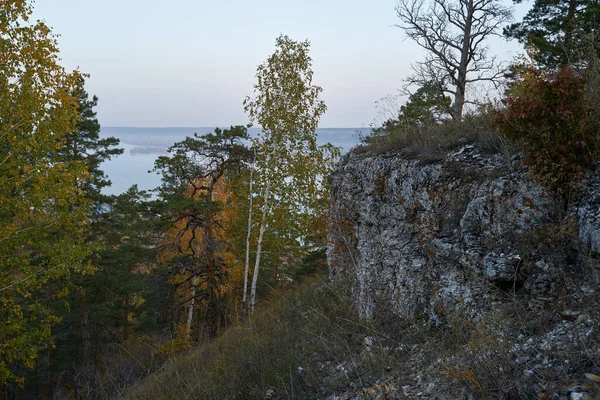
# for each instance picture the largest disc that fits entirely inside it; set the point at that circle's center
(429, 238)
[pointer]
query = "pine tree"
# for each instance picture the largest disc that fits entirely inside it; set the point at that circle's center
(561, 32)
(191, 211)
(102, 303)
(84, 144)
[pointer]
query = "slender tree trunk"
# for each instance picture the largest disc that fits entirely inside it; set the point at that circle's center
(198, 325)
(570, 21)
(569, 28)
(190, 316)
(50, 381)
(248, 234)
(86, 338)
(126, 319)
(211, 281)
(175, 321)
(263, 222)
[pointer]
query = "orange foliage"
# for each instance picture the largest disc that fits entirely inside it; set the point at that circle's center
(549, 118)
(230, 280)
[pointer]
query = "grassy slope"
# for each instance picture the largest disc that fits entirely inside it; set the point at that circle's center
(289, 347)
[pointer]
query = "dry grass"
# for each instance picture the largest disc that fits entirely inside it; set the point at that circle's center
(308, 342)
(431, 143)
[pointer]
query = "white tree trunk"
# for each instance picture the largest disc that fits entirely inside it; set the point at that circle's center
(188, 325)
(263, 222)
(247, 267)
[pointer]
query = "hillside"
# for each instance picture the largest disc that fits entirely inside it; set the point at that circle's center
(444, 283)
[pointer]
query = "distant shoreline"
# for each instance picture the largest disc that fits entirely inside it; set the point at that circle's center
(158, 150)
(220, 126)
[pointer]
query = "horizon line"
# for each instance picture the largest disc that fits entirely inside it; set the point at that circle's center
(213, 127)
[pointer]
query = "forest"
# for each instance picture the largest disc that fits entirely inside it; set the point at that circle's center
(100, 292)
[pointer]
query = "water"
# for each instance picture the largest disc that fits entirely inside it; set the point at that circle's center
(128, 169)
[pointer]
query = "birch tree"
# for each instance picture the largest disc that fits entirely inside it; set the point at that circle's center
(290, 166)
(248, 236)
(453, 33)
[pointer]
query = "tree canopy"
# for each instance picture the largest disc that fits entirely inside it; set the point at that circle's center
(43, 206)
(290, 166)
(561, 32)
(453, 32)
(191, 211)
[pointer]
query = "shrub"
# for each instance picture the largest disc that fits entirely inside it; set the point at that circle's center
(431, 142)
(549, 118)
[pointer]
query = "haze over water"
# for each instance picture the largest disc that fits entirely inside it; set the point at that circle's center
(132, 168)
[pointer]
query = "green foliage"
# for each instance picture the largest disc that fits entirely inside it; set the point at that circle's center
(84, 144)
(288, 107)
(191, 213)
(431, 143)
(94, 314)
(43, 206)
(549, 118)
(187, 174)
(315, 261)
(104, 307)
(290, 167)
(562, 32)
(114, 292)
(426, 107)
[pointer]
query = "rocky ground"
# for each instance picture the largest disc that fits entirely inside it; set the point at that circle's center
(498, 281)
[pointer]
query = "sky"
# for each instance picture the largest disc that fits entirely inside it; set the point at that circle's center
(156, 63)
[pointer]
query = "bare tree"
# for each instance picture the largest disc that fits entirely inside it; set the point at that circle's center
(453, 33)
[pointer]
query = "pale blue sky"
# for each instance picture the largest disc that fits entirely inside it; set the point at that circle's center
(191, 63)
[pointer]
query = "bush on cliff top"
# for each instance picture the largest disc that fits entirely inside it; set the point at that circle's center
(551, 118)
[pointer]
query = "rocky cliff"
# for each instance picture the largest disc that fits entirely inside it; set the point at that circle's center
(469, 236)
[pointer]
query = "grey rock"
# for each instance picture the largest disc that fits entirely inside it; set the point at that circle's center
(453, 236)
(501, 268)
(415, 237)
(270, 394)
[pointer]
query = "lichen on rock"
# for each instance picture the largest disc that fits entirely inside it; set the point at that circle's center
(472, 239)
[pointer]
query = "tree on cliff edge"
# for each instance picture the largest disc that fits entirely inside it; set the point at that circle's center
(562, 32)
(290, 167)
(453, 33)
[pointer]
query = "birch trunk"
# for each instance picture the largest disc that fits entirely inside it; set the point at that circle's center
(247, 266)
(190, 317)
(265, 209)
(210, 248)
